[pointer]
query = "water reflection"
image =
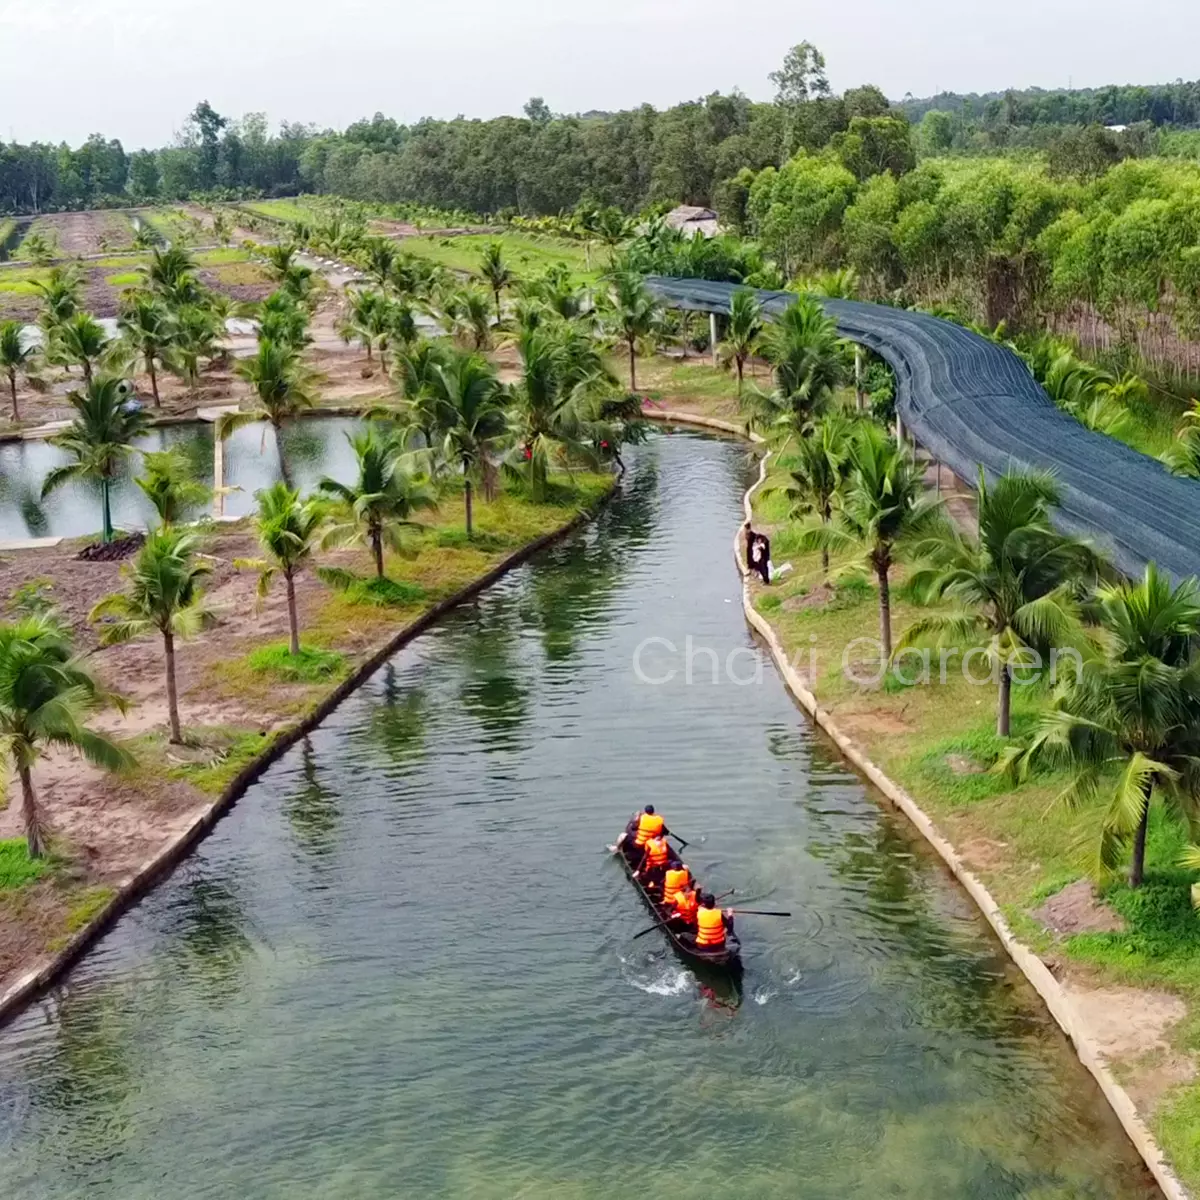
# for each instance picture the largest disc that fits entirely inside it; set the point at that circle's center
(312, 809)
(315, 447)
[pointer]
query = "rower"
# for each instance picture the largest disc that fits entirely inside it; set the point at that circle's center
(677, 877)
(712, 924)
(655, 858)
(687, 901)
(641, 828)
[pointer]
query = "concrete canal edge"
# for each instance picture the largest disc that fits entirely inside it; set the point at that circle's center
(135, 887)
(1053, 995)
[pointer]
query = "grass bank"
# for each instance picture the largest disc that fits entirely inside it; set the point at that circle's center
(526, 254)
(241, 693)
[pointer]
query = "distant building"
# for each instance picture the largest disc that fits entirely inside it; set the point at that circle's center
(692, 221)
(1116, 128)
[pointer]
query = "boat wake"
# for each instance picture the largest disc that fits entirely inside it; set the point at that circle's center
(668, 983)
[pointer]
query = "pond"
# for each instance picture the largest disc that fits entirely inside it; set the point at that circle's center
(316, 446)
(404, 964)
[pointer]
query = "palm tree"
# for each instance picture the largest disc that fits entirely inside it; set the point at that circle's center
(380, 259)
(742, 331)
(563, 374)
(60, 292)
(1128, 725)
(99, 440)
(287, 532)
(816, 470)
(803, 347)
(415, 371)
(1018, 581)
(46, 696)
(634, 315)
(81, 340)
(162, 593)
(280, 257)
(17, 355)
(197, 330)
(282, 319)
(149, 329)
(467, 316)
(168, 485)
(495, 272)
(613, 228)
(881, 511)
(171, 273)
(381, 503)
(365, 319)
(471, 401)
(282, 386)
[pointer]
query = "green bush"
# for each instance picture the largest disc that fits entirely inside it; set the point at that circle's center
(309, 666)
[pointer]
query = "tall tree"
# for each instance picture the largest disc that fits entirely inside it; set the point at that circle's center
(1017, 582)
(742, 331)
(46, 697)
(287, 532)
(634, 316)
(882, 511)
(282, 387)
(162, 593)
(17, 356)
(99, 440)
(495, 272)
(471, 401)
(1126, 729)
(389, 491)
(149, 329)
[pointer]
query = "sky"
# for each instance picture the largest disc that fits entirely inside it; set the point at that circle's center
(134, 68)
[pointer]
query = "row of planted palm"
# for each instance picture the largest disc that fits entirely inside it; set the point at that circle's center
(453, 424)
(1126, 725)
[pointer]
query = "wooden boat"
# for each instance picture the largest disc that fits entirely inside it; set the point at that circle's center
(727, 960)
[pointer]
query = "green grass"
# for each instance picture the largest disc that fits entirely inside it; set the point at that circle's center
(6, 228)
(88, 906)
(124, 279)
(526, 254)
(232, 750)
(282, 210)
(311, 665)
(17, 869)
(120, 260)
(222, 256)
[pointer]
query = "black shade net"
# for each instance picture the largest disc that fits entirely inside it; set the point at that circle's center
(974, 404)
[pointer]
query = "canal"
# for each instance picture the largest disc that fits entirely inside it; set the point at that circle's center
(404, 964)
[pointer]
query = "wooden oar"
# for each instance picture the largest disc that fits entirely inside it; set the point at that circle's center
(682, 844)
(664, 924)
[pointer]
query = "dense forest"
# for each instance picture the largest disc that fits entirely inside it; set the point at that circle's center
(542, 163)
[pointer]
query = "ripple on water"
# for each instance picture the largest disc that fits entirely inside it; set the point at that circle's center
(404, 963)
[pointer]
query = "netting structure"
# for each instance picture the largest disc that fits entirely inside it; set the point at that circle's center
(974, 404)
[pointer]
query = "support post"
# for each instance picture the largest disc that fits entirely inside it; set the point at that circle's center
(218, 473)
(899, 430)
(860, 401)
(712, 338)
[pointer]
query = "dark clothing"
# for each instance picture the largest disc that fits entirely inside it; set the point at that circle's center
(652, 880)
(760, 559)
(751, 565)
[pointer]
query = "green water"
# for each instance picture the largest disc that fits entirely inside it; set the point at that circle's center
(403, 966)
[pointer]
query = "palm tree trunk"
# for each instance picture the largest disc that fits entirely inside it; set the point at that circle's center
(284, 472)
(741, 364)
(172, 697)
(87, 372)
(1137, 865)
(293, 618)
(12, 383)
(153, 380)
(377, 550)
(467, 498)
(35, 831)
(1004, 710)
(632, 367)
(885, 613)
(499, 316)
(106, 527)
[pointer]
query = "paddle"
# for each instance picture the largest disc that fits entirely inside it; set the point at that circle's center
(759, 912)
(664, 924)
(682, 844)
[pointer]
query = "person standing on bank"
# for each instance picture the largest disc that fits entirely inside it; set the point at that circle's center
(760, 557)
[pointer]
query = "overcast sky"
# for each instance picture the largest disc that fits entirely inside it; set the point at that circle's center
(133, 68)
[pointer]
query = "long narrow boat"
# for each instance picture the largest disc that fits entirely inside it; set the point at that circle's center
(727, 960)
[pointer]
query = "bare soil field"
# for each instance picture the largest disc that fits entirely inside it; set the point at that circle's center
(82, 233)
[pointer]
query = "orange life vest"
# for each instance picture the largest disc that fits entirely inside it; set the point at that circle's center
(686, 905)
(675, 881)
(650, 825)
(657, 852)
(710, 927)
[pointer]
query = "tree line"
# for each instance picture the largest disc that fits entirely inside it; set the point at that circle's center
(541, 162)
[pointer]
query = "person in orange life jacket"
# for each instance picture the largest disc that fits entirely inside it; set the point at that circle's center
(712, 924)
(687, 901)
(656, 857)
(641, 828)
(675, 879)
